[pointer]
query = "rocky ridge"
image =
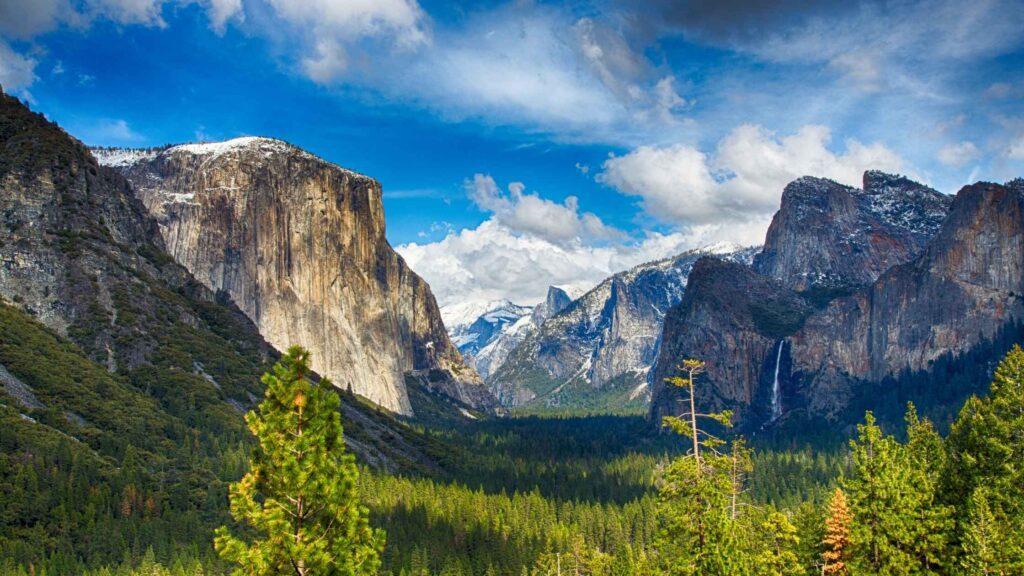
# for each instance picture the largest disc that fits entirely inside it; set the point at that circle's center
(948, 291)
(831, 238)
(299, 245)
(599, 349)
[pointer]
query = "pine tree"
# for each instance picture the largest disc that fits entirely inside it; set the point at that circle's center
(774, 546)
(299, 496)
(898, 526)
(986, 469)
(983, 538)
(837, 536)
(698, 535)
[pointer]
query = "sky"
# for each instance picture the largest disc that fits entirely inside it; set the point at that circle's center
(522, 144)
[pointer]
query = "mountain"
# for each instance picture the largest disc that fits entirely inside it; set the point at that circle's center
(595, 354)
(926, 329)
(486, 332)
(85, 270)
(298, 244)
(474, 325)
(829, 239)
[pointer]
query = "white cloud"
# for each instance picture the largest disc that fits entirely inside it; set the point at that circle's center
(491, 262)
(21, 19)
(536, 67)
(142, 12)
(531, 214)
(109, 132)
(959, 154)
(740, 184)
(221, 11)
(335, 26)
(17, 72)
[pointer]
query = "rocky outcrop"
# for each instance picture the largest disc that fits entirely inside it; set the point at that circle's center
(605, 341)
(831, 239)
(733, 319)
(965, 287)
(475, 326)
(959, 294)
(299, 245)
(486, 333)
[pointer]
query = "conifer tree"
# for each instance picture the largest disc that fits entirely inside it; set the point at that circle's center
(986, 469)
(983, 539)
(775, 542)
(697, 534)
(299, 497)
(898, 525)
(837, 536)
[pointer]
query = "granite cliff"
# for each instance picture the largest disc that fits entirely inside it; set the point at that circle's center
(106, 340)
(845, 317)
(828, 238)
(298, 244)
(596, 353)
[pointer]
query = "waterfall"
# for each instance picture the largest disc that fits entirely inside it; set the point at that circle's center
(776, 392)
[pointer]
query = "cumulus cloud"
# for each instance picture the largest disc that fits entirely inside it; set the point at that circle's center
(492, 261)
(17, 72)
(740, 184)
(335, 26)
(540, 217)
(959, 154)
(222, 11)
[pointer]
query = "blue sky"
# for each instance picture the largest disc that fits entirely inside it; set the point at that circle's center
(523, 143)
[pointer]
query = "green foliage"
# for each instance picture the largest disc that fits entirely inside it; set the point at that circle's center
(985, 468)
(299, 495)
(898, 527)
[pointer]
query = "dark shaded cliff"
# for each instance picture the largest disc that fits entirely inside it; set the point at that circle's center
(829, 239)
(905, 335)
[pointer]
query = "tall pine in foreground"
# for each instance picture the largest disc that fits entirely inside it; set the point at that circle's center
(985, 470)
(299, 497)
(697, 533)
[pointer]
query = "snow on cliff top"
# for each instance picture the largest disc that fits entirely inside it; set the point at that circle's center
(119, 157)
(125, 157)
(215, 149)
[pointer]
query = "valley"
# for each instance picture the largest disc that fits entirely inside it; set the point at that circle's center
(218, 337)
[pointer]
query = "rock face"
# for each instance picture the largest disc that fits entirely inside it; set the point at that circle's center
(965, 287)
(299, 245)
(80, 254)
(944, 294)
(474, 326)
(597, 351)
(486, 333)
(75, 242)
(832, 238)
(732, 318)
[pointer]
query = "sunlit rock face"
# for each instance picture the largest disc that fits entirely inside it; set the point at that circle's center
(299, 245)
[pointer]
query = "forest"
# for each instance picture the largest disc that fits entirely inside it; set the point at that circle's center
(598, 495)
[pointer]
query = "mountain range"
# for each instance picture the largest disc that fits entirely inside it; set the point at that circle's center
(858, 297)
